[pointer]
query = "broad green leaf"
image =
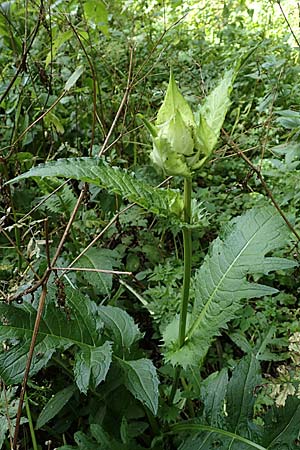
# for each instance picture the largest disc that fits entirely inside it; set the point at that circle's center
(77, 323)
(73, 78)
(55, 405)
(99, 258)
(221, 283)
(281, 429)
(289, 119)
(240, 398)
(141, 380)
(213, 391)
(163, 202)
(58, 41)
(122, 327)
(212, 112)
(91, 366)
(53, 119)
(173, 103)
(96, 14)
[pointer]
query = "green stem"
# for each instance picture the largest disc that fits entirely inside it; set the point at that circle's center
(187, 260)
(187, 264)
(31, 427)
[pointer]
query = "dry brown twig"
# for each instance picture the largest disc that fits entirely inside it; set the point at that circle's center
(257, 171)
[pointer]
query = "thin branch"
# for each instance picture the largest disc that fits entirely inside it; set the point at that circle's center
(18, 251)
(43, 201)
(124, 100)
(28, 363)
(71, 220)
(94, 78)
(288, 24)
(20, 137)
(269, 193)
(90, 269)
(110, 223)
(25, 53)
(39, 313)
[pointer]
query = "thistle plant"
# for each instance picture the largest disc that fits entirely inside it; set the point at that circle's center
(182, 142)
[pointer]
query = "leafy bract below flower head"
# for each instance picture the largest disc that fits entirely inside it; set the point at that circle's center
(181, 141)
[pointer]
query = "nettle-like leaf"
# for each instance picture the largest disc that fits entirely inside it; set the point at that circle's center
(99, 258)
(163, 202)
(221, 283)
(78, 325)
(121, 326)
(141, 380)
(99, 439)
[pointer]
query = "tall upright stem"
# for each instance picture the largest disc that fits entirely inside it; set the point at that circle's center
(187, 267)
(187, 261)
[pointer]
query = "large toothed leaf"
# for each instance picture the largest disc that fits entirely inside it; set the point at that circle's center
(121, 326)
(163, 202)
(221, 283)
(91, 366)
(141, 380)
(76, 324)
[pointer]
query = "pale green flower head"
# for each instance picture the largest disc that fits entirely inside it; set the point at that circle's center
(183, 141)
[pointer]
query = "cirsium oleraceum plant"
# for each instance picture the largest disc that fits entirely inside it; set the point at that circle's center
(182, 142)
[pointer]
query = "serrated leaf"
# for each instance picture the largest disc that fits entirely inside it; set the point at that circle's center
(54, 405)
(91, 366)
(141, 380)
(76, 324)
(163, 202)
(73, 78)
(221, 283)
(282, 426)
(99, 258)
(124, 331)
